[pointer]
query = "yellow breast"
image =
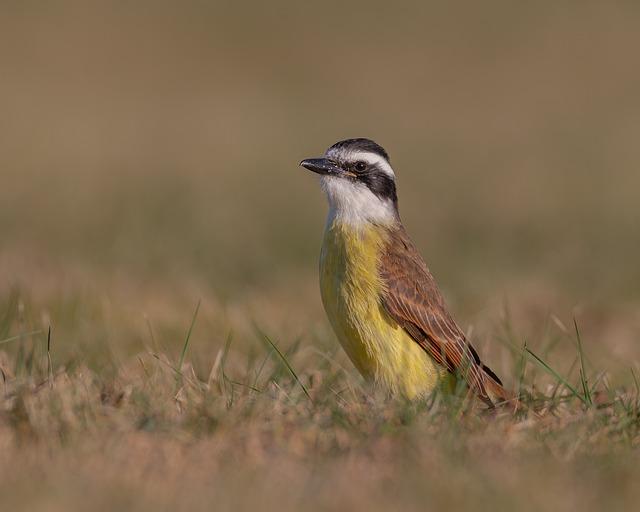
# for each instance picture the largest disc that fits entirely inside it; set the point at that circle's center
(351, 286)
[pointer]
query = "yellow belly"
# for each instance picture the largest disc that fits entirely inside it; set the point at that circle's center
(351, 286)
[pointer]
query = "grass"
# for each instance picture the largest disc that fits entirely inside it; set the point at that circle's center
(284, 360)
(312, 435)
(148, 163)
(185, 347)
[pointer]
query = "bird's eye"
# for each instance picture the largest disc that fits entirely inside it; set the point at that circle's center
(361, 166)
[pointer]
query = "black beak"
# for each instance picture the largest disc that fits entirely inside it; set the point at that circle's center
(322, 166)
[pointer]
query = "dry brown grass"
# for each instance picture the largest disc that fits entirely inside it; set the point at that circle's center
(148, 161)
(244, 436)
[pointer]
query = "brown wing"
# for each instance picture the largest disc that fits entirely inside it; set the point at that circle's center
(413, 299)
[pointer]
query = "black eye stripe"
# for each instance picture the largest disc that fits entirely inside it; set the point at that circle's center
(380, 183)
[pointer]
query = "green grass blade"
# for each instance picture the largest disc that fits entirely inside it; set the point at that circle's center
(186, 341)
(185, 346)
(636, 381)
(19, 336)
(521, 367)
(49, 361)
(583, 375)
(223, 362)
(260, 369)
(555, 374)
(559, 384)
(179, 374)
(286, 363)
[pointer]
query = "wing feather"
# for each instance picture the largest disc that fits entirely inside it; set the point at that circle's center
(412, 298)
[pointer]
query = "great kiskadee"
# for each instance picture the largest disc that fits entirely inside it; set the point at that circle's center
(381, 300)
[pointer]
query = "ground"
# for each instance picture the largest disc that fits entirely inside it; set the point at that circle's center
(162, 341)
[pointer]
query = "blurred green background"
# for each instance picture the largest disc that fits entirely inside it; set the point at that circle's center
(149, 158)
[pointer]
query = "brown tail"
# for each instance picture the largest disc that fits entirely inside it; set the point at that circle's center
(496, 392)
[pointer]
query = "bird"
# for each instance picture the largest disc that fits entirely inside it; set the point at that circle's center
(379, 296)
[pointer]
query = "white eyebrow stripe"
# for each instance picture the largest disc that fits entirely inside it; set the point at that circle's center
(366, 156)
(373, 159)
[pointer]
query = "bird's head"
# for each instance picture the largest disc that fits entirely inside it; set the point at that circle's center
(358, 180)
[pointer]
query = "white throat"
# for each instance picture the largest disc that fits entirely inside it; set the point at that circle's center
(354, 204)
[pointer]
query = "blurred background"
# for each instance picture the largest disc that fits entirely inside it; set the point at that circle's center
(149, 159)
